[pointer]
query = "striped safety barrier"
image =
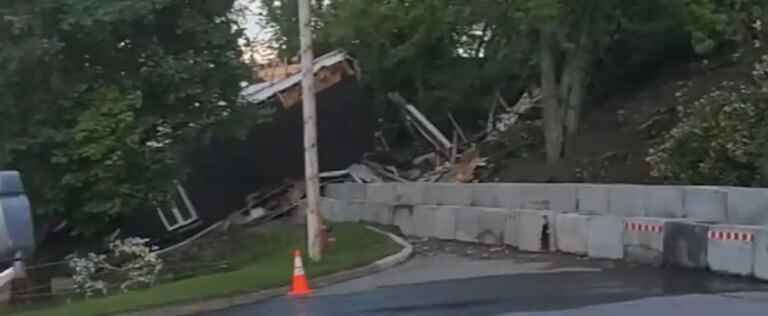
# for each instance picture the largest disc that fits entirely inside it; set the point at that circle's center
(731, 235)
(641, 227)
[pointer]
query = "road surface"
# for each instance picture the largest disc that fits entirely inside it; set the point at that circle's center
(524, 284)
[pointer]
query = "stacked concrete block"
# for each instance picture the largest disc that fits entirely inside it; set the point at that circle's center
(492, 224)
(572, 232)
(345, 191)
(535, 196)
(644, 239)
(411, 193)
(563, 197)
(511, 229)
(548, 196)
(627, 200)
(381, 192)
(508, 195)
(448, 194)
(731, 249)
(445, 222)
(403, 218)
(606, 237)
(374, 212)
(761, 254)
(747, 206)
(664, 201)
(329, 209)
(354, 211)
(686, 244)
(486, 194)
(706, 204)
(535, 231)
(340, 210)
(467, 224)
(424, 223)
(334, 191)
(592, 199)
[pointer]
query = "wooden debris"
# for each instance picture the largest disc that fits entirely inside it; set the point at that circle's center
(426, 127)
(457, 129)
(383, 141)
(423, 133)
(455, 149)
(464, 170)
(424, 158)
(363, 173)
(382, 171)
(334, 174)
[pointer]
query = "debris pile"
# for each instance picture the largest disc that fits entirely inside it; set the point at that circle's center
(455, 159)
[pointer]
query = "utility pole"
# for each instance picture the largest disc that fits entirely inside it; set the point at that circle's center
(311, 169)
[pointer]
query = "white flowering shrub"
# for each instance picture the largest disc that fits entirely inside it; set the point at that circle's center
(721, 138)
(84, 271)
(130, 263)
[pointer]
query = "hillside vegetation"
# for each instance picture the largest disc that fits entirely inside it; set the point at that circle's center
(632, 91)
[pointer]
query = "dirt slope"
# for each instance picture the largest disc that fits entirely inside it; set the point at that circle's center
(618, 131)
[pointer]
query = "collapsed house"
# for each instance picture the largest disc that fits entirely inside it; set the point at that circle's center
(226, 172)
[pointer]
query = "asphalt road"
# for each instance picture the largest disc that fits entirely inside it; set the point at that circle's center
(522, 284)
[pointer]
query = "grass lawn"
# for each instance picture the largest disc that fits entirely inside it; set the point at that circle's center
(261, 269)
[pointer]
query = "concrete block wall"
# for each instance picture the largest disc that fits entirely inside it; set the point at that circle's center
(684, 226)
(686, 244)
(572, 231)
(644, 239)
(664, 201)
(605, 237)
(761, 255)
(445, 222)
(536, 231)
(747, 206)
(728, 205)
(706, 204)
(731, 249)
(592, 199)
(482, 225)
(626, 200)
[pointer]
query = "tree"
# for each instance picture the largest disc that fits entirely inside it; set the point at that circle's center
(99, 97)
(447, 53)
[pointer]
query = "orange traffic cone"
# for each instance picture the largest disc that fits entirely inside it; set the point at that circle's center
(300, 284)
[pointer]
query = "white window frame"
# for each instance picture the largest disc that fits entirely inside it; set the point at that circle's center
(180, 220)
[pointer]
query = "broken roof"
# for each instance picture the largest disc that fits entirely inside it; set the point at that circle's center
(263, 91)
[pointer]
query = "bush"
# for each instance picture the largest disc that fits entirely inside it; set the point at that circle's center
(721, 138)
(130, 261)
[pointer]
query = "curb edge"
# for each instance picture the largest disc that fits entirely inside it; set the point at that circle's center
(211, 305)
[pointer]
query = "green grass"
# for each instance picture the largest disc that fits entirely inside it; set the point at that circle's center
(261, 269)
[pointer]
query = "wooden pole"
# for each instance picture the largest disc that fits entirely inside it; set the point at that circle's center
(311, 169)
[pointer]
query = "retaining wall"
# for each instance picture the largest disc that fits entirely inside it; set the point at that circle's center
(727, 205)
(690, 227)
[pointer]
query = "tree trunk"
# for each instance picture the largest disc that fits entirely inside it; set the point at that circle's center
(553, 112)
(577, 72)
(578, 67)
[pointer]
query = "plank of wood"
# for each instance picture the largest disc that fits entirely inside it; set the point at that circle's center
(457, 128)
(422, 120)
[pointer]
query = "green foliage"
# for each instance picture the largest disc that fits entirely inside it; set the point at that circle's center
(723, 136)
(98, 97)
(439, 54)
(714, 23)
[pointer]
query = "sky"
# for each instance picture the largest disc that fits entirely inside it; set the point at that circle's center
(254, 26)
